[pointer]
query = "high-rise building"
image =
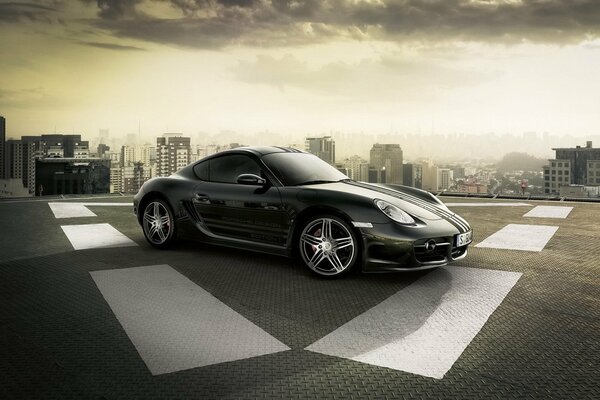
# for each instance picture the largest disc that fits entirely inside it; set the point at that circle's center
(445, 177)
(377, 175)
(133, 177)
(173, 152)
(572, 166)
(102, 150)
(322, 147)
(116, 179)
(430, 176)
(412, 175)
(358, 168)
(134, 154)
(3, 160)
(13, 151)
(388, 156)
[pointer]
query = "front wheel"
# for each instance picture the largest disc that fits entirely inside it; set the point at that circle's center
(328, 246)
(158, 224)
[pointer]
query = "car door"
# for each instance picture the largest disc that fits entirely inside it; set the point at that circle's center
(237, 211)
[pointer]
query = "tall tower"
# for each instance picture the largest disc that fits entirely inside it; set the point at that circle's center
(388, 158)
(322, 147)
(3, 161)
(173, 152)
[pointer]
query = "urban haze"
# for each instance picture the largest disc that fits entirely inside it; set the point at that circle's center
(457, 85)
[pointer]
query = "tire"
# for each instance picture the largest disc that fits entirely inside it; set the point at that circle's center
(328, 246)
(158, 224)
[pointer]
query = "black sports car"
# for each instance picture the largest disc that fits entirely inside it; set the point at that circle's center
(285, 201)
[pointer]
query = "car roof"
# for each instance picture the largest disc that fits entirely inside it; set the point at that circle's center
(263, 150)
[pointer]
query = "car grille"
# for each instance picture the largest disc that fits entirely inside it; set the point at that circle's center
(438, 254)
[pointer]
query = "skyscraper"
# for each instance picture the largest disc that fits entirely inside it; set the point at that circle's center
(173, 152)
(412, 175)
(445, 176)
(388, 156)
(322, 147)
(13, 152)
(358, 168)
(3, 161)
(430, 176)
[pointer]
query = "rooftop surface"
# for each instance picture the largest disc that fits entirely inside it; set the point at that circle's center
(519, 317)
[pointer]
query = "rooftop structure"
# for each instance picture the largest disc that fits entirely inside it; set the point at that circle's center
(89, 310)
(578, 166)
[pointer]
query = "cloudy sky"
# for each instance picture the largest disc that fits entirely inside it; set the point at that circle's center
(300, 66)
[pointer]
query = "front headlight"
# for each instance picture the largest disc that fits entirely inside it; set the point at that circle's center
(394, 212)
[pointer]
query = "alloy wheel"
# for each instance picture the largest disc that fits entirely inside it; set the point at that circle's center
(327, 246)
(157, 223)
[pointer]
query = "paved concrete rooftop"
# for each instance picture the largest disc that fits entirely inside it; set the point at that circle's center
(89, 310)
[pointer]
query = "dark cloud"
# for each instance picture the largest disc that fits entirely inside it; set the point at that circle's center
(41, 11)
(111, 46)
(115, 9)
(218, 23)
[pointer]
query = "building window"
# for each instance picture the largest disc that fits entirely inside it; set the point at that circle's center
(553, 172)
(554, 164)
(553, 178)
(560, 164)
(560, 172)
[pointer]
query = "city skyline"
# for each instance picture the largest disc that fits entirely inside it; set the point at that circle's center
(300, 68)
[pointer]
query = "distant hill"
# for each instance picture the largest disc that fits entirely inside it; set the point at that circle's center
(520, 161)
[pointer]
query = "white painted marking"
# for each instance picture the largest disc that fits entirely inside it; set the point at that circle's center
(520, 237)
(487, 204)
(70, 210)
(175, 324)
(92, 236)
(549, 212)
(424, 328)
(76, 209)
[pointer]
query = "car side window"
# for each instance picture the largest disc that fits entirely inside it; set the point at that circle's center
(226, 169)
(201, 170)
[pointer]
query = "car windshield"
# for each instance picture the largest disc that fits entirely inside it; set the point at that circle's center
(294, 169)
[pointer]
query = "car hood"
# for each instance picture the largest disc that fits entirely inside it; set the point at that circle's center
(413, 205)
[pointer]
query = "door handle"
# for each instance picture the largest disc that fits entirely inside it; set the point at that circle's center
(201, 198)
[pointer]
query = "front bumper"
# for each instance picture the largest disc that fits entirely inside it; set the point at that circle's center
(391, 247)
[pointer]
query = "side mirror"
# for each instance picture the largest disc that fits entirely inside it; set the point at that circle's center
(251, 179)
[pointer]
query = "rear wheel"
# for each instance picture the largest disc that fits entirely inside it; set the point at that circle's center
(328, 246)
(158, 224)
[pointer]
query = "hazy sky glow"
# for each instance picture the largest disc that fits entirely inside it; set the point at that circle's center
(300, 67)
